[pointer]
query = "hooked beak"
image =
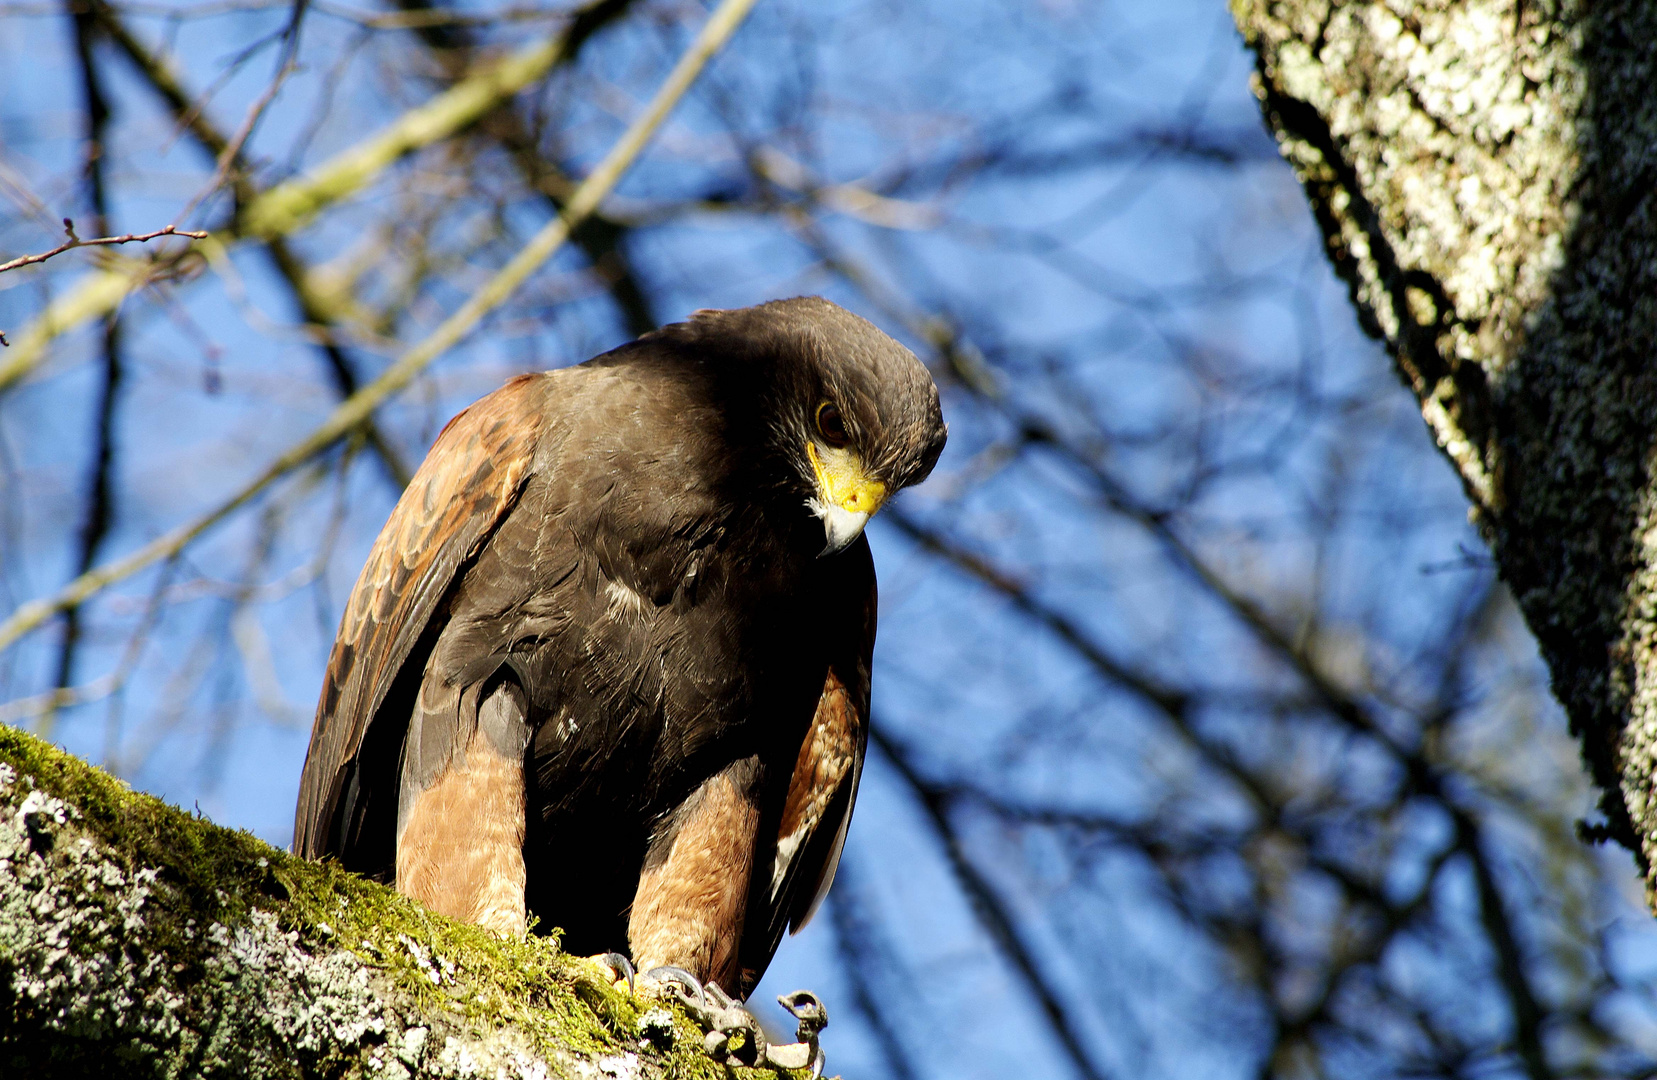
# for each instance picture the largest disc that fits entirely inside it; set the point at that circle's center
(846, 497)
(840, 527)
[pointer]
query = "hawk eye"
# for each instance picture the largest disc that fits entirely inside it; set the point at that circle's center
(831, 425)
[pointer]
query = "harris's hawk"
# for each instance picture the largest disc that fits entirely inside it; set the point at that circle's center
(608, 661)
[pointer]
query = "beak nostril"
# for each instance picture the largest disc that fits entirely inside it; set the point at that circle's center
(864, 498)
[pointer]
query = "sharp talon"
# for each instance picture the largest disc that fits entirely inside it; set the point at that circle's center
(678, 976)
(621, 965)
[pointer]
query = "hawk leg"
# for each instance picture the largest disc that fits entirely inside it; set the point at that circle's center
(460, 850)
(688, 910)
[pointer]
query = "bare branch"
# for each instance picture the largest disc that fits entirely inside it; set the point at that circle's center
(231, 164)
(100, 241)
(992, 912)
(289, 206)
(601, 237)
(352, 412)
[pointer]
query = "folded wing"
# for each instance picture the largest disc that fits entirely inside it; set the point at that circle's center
(461, 493)
(823, 788)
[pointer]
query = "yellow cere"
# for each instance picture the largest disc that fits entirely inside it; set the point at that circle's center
(841, 480)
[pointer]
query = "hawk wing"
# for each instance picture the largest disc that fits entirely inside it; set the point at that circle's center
(818, 808)
(469, 481)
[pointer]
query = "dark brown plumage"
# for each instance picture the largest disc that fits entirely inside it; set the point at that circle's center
(601, 668)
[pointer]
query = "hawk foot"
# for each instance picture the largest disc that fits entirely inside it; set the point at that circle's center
(734, 1033)
(687, 987)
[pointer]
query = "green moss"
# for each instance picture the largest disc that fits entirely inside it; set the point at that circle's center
(184, 947)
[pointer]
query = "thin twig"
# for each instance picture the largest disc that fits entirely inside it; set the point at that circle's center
(1423, 775)
(351, 413)
(993, 913)
(231, 154)
(230, 164)
(600, 237)
(287, 207)
(99, 241)
(858, 940)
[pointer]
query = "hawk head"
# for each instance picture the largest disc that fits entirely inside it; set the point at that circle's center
(850, 415)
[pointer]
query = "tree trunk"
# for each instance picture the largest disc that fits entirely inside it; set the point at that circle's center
(136, 940)
(1485, 176)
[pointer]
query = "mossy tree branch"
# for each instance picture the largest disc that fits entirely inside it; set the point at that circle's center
(136, 938)
(1485, 176)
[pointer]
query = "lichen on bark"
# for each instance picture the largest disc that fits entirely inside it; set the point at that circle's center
(1484, 174)
(135, 938)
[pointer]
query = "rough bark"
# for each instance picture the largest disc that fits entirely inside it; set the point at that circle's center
(138, 940)
(1485, 175)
